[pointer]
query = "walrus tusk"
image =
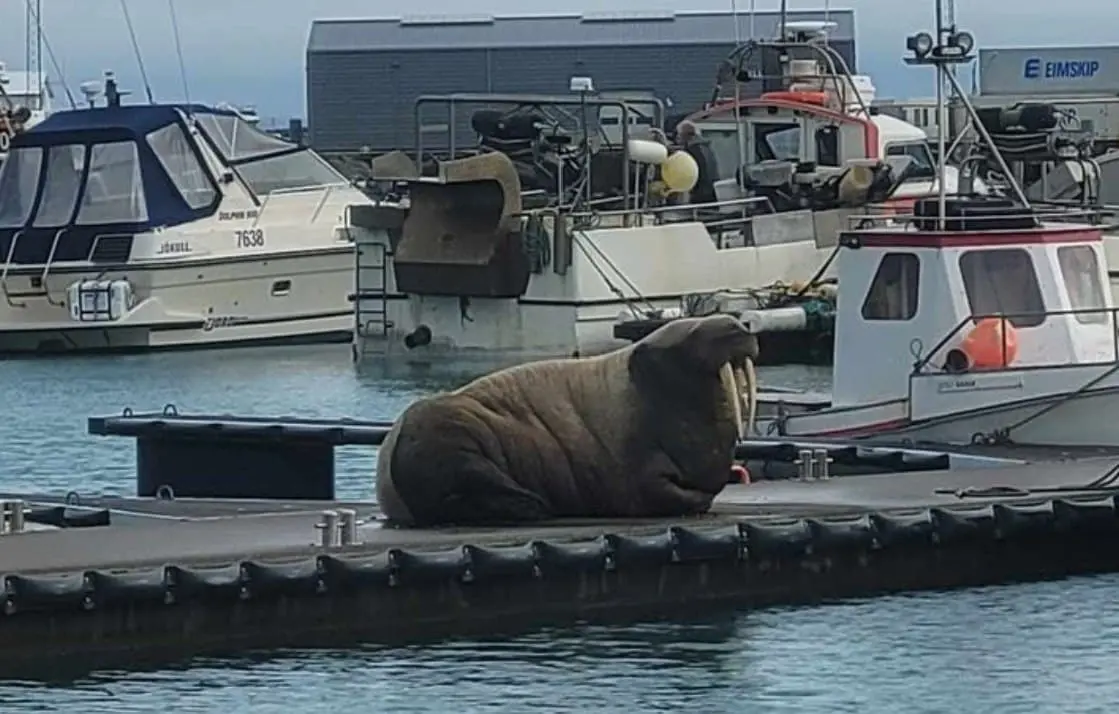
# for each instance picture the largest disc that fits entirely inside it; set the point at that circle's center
(733, 394)
(747, 385)
(751, 395)
(742, 387)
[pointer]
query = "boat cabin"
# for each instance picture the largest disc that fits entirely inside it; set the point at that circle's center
(804, 127)
(81, 184)
(914, 296)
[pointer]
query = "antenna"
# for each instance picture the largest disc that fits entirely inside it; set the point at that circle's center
(179, 52)
(50, 52)
(951, 48)
(136, 50)
(33, 46)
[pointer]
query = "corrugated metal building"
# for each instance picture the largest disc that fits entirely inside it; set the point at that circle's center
(363, 76)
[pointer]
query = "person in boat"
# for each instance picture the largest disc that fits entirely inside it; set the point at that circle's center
(691, 140)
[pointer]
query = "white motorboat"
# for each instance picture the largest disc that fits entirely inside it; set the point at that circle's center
(974, 320)
(155, 226)
(996, 329)
(476, 262)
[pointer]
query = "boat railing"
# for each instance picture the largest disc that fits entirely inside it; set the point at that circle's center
(44, 289)
(324, 193)
(1001, 327)
(718, 216)
(882, 216)
(7, 267)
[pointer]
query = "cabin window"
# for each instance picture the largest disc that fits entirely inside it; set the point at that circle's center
(893, 292)
(918, 151)
(1081, 272)
(237, 139)
(19, 182)
(65, 165)
(827, 145)
(114, 191)
(724, 145)
(299, 170)
(1003, 282)
(178, 159)
(777, 141)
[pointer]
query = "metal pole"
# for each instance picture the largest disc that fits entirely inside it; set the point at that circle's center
(347, 526)
(329, 529)
(804, 464)
(16, 523)
(941, 126)
(1018, 193)
(739, 134)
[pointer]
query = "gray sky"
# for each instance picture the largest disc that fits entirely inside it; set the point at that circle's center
(252, 51)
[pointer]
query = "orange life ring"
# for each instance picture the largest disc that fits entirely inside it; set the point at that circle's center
(991, 344)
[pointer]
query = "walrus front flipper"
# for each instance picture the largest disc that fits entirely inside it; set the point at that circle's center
(480, 495)
(486, 496)
(666, 494)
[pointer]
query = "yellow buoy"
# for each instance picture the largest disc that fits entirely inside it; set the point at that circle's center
(679, 172)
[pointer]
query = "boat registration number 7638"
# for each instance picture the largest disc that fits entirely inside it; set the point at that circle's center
(249, 238)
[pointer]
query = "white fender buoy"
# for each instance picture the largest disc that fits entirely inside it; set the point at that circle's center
(644, 151)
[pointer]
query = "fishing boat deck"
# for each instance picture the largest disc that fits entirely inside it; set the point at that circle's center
(148, 532)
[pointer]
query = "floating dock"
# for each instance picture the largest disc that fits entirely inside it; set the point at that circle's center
(124, 581)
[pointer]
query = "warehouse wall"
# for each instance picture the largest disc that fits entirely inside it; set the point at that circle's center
(366, 98)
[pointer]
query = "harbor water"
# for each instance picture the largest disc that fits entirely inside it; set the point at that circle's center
(1050, 647)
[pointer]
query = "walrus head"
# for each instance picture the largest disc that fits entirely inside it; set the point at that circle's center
(707, 346)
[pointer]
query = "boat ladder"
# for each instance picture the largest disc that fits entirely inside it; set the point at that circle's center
(370, 294)
(38, 284)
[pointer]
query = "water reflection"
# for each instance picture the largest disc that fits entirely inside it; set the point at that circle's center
(1031, 648)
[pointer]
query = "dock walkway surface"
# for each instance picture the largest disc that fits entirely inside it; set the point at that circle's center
(173, 578)
(196, 531)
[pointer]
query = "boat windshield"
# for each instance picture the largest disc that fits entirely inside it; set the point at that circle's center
(19, 182)
(923, 166)
(114, 189)
(294, 171)
(771, 140)
(724, 145)
(267, 163)
(64, 168)
(175, 153)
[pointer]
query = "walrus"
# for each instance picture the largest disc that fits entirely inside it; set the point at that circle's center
(647, 430)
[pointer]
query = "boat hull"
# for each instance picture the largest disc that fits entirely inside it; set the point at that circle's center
(1070, 406)
(273, 299)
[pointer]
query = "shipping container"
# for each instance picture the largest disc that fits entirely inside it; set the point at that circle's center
(1043, 71)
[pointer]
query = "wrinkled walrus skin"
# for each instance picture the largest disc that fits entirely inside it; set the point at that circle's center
(648, 430)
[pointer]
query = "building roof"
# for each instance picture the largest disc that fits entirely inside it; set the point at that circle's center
(490, 31)
(22, 84)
